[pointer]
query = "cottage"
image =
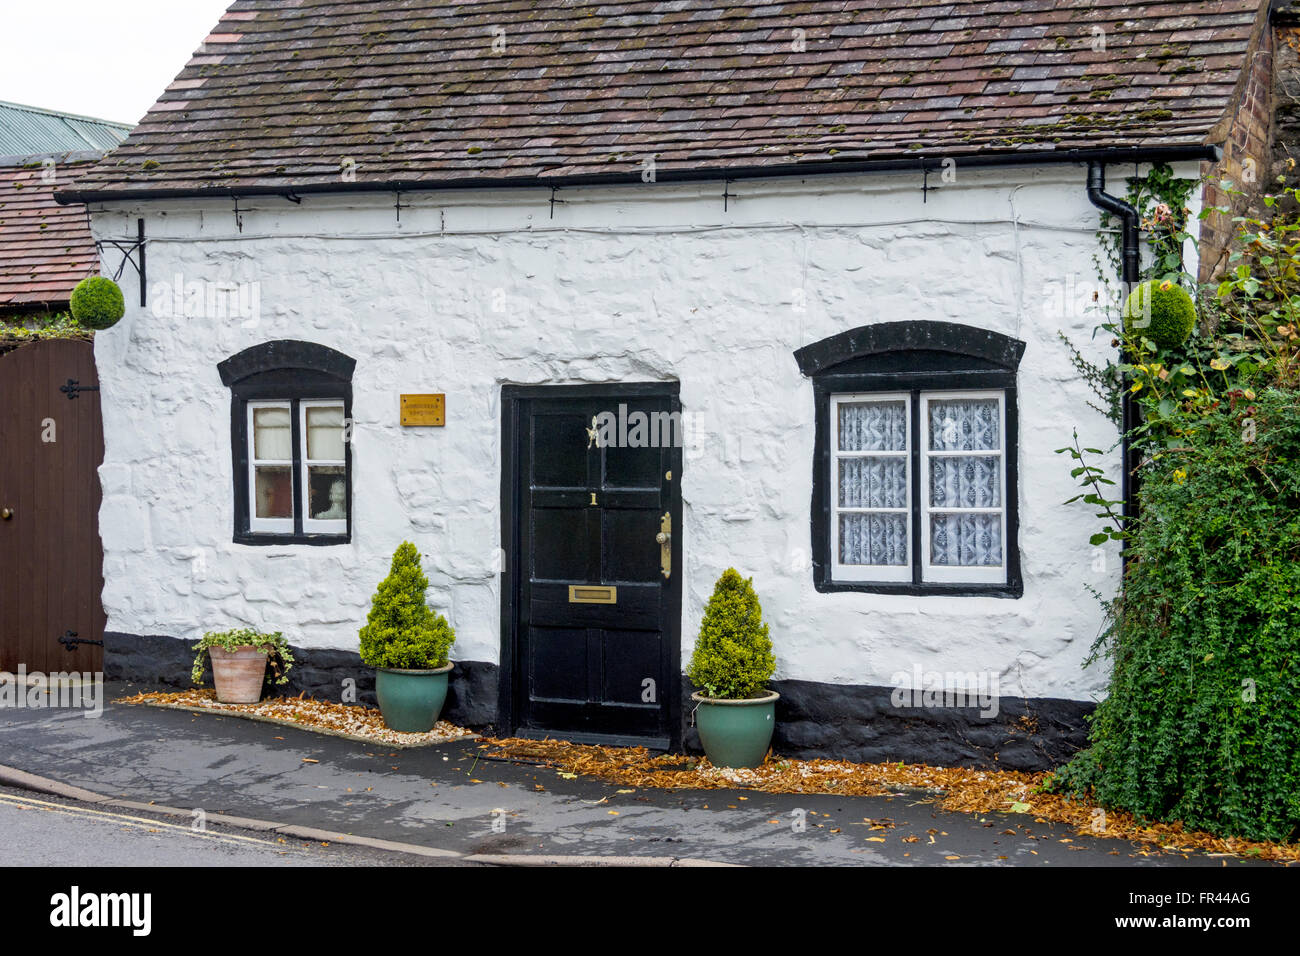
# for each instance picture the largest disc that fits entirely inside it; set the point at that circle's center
(837, 244)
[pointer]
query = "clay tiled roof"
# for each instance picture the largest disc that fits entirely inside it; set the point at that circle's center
(288, 93)
(45, 248)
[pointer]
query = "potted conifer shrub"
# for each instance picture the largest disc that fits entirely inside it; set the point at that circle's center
(407, 644)
(732, 663)
(239, 662)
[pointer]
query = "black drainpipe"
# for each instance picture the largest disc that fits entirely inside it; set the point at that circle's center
(1130, 246)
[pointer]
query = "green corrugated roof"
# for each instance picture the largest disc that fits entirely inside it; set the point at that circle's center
(27, 130)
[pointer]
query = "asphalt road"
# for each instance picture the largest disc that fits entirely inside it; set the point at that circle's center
(46, 831)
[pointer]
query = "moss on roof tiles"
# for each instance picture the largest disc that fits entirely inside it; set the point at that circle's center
(371, 80)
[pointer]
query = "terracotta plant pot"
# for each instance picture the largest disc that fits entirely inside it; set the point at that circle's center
(736, 733)
(238, 674)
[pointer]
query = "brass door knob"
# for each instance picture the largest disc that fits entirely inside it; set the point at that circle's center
(6, 513)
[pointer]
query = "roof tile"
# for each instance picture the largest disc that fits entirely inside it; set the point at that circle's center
(45, 248)
(413, 90)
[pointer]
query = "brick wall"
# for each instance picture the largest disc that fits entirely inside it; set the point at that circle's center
(1286, 94)
(1247, 153)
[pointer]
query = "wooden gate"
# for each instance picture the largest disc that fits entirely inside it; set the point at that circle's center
(51, 559)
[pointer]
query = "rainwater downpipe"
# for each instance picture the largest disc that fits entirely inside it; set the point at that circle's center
(1131, 268)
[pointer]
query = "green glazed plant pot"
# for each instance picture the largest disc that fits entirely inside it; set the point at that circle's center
(736, 733)
(411, 701)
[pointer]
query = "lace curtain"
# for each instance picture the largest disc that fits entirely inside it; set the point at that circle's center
(876, 539)
(876, 481)
(965, 481)
(966, 540)
(873, 426)
(870, 486)
(964, 425)
(873, 482)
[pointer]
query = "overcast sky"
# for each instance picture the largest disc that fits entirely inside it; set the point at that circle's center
(104, 58)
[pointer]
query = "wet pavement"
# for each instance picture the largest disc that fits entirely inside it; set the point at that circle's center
(448, 796)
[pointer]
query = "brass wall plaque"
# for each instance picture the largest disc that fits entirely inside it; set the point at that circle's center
(424, 410)
(592, 594)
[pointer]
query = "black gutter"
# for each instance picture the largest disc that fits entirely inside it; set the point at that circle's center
(919, 163)
(1131, 273)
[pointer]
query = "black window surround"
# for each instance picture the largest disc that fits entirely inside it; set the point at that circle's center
(911, 357)
(291, 372)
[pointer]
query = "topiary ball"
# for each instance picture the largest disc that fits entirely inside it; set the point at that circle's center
(1162, 311)
(97, 303)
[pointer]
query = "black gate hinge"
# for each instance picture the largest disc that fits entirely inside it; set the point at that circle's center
(70, 640)
(72, 388)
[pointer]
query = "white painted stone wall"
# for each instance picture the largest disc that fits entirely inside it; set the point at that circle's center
(648, 282)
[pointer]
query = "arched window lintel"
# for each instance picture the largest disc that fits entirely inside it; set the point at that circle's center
(969, 340)
(286, 354)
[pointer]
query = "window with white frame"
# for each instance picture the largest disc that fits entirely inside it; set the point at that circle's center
(290, 432)
(964, 478)
(872, 478)
(956, 530)
(324, 467)
(914, 478)
(297, 486)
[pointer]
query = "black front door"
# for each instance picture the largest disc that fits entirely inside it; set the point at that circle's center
(592, 523)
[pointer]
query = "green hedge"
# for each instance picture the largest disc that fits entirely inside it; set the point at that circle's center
(1201, 722)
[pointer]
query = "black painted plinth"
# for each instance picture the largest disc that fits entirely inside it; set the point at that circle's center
(848, 722)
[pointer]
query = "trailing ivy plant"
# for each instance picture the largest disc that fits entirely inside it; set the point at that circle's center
(1093, 479)
(1104, 381)
(1161, 199)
